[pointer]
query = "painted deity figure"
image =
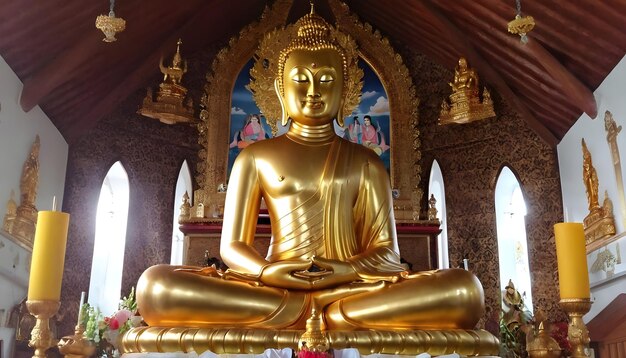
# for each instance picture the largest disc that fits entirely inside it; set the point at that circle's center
(252, 131)
(372, 136)
(353, 132)
(334, 247)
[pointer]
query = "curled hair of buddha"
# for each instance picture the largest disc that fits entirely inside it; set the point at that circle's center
(314, 34)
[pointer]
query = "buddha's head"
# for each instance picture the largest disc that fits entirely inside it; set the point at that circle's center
(311, 73)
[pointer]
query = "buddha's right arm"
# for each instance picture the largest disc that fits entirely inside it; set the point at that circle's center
(241, 210)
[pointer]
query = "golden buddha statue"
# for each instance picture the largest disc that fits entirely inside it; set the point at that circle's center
(333, 249)
(465, 78)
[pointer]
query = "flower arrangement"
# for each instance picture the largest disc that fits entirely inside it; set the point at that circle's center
(106, 331)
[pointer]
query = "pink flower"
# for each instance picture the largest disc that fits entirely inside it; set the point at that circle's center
(114, 323)
(122, 316)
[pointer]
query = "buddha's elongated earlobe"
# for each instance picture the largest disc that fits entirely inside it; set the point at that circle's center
(285, 115)
(340, 114)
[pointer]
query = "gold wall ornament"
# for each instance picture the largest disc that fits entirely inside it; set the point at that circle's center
(109, 24)
(599, 223)
(521, 25)
(464, 104)
(19, 222)
(432, 208)
(11, 213)
(170, 106)
(612, 130)
(606, 261)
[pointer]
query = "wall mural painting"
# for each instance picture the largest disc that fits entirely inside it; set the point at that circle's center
(367, 125)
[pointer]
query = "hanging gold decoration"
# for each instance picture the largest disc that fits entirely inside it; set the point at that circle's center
(109, 24)
(169, 107)
(465, 105)
(521, 25)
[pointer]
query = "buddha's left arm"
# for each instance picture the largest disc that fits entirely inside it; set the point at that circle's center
(375, 225)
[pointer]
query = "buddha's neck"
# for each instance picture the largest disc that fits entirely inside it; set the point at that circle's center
(320, 134)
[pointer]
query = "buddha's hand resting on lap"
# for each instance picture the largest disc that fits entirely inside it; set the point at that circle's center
(337, 273)
(280, 274)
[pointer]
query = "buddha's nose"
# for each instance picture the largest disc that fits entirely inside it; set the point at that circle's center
(313, 90)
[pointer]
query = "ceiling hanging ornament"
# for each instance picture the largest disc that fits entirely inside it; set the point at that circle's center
(170, 106)
(521, 25)
(109, 24)
(465, 104)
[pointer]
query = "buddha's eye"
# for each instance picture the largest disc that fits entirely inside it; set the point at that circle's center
(300, 78)
(326, 78)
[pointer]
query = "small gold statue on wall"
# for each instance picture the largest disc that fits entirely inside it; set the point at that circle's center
(169, 107)
(19, 222)
(599, 224)
(464, 105)
(432, 208)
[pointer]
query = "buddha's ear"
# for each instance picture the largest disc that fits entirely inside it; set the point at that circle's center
(285, 116)
(340, 114)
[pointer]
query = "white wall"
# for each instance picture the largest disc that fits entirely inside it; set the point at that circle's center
(609, 96)
(17, 133)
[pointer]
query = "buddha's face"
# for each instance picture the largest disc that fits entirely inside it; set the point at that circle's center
(313, 84)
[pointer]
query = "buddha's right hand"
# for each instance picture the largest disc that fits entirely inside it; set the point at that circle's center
(280, 274)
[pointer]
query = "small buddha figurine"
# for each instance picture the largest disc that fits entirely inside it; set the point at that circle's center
(334, 247)
(174, 73)
(464, 77)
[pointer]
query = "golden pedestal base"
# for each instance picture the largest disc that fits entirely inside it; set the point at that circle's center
(256, 341)
(577, 333)
(41, 337)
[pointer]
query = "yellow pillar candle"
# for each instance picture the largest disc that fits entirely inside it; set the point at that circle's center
(571, 256)
(46, 269)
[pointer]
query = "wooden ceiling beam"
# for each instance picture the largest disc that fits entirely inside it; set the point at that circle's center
(69, 64)
(491, 75)
(580, 95)
(210, 13)
(409, 33)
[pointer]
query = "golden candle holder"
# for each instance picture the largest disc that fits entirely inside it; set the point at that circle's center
(577, 333)
(76, 346)
(41, 335)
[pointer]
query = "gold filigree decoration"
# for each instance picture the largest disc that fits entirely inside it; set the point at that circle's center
(375, 49)
(265, 70)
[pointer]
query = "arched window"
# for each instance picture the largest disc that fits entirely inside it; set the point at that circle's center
(183, 184)
(512, 244)
(108, 251)
(436, 188)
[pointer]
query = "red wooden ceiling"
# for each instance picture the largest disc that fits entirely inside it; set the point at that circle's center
(77, 79)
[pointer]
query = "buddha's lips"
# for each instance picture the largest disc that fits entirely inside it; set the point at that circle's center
(314, 104)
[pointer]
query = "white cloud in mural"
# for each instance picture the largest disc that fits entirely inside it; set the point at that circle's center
(380, 107)
(368, 94)
(237, 110)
